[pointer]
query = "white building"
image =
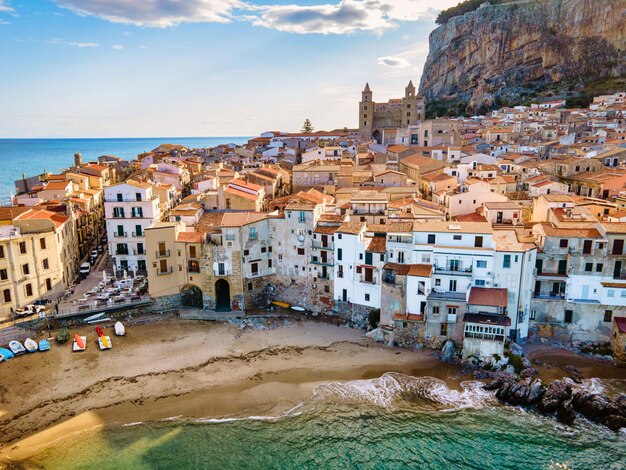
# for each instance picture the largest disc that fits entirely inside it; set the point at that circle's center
(129, 208)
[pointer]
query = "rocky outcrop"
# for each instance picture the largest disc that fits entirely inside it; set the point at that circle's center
(558, 399)
(506, 53)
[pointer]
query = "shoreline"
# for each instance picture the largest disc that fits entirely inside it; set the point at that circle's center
(204, 370)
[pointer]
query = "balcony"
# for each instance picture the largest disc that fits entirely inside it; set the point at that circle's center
(453, 270)
(137, 234)
(139, 252)
(121, 252)
(164, 273)
(443, 295)
(162, 254)
(485, 336)
(320, 262)
(371, 281)
(549, 296)
(551, 275)
(120, 235)
(318, 244)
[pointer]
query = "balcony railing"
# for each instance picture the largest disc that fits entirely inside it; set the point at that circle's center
(321, 262)
(320, 245)
(485, 336)
(549, 296)
(366, 281)
(163, 273)
(163, 254)
(137, 234)
(454, 270)
(120, 235)
(121, 252)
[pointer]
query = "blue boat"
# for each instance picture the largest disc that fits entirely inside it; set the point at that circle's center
(6, 354)
(44, 345)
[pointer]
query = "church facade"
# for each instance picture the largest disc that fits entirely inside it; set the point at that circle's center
(377, 118)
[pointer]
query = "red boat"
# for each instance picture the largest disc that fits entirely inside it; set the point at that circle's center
(99, 331)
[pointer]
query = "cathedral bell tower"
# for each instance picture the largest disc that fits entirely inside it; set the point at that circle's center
(366, 112)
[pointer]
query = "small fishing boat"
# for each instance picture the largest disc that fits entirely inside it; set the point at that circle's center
(31, 345)
(297, 308)
(104, 342)
(80, 343)
(98, 320)
(64, 335)
(17, 348)
(280, 304)
(94, 317)
(119, 329)
(6, 354)
(99, 331)
(44, 345)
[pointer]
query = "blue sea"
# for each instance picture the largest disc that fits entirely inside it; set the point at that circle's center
(31, 157)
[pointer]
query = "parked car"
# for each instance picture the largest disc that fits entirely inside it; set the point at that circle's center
(100, 248)
(29, 309)
(85, 268)
(94, 253)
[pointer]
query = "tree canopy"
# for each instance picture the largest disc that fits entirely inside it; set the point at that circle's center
(307, 127)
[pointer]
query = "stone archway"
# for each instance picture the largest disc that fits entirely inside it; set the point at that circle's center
(222, 295)
(377, 136)
(191, 296)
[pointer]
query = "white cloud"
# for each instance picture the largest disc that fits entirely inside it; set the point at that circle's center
(5, 7)
(346, 16)
(83, 44)
(156, 13)
(394, 62)
(336, 17)
(118, 47)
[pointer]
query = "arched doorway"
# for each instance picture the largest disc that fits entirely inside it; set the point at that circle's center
(377, 136)
(222, 295)
(191, 296)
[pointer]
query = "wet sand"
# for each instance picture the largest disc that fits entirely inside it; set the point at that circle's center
(193, 369)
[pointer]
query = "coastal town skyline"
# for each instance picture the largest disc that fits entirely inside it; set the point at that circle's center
(110, 69)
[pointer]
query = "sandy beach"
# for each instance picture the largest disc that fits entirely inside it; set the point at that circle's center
(204, 370)
(195, 369)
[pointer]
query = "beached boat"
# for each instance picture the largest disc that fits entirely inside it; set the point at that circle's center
(44, 345)
(99, 320)
(64, 335)
(31, 345)
(17, 348)
(280, 304)
(297, 308)
(99, 331)
(80, 343)
(6, 354)
(119, 329)
(94, 317)
(104, 342)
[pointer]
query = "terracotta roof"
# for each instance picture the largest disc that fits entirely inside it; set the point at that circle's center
(614, 227)
(490, 297)
(352, 228)
(240, 193)
(377, 245)
(9, 213)
(405, 227)
(57, 185)
(421, 270)
(325, 229)
(244, 184)
(190, 237)
(40, 214)
(237, 219)
(578, 232)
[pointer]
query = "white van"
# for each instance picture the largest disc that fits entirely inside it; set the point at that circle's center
(85, 268)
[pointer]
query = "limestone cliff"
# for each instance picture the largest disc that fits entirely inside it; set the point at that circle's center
(500, 54)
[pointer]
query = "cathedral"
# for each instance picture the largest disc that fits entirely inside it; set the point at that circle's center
(376, 118)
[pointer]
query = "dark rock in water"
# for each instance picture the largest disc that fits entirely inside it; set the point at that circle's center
(590, 405)
(556, 393)
(565, 414)
(530, 372)
(574, 373)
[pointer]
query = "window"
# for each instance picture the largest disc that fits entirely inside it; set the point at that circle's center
(457, 237)
(3, 275)
(608, 316)
(588, 267)
(221, 270)
(137, 212)
(452, 285)
(438, 282)
(246, 252)
(42, 243)
(563, 243)
(444, 329)
(23, 248)
(118, 212)
(339, 254)
(435, 310)
(46, 264)
(269, 263)
(140, 250)
(367, 297)
(623, 293)
(610, 293)
(302, 217)
(599, 267)
(163, 266)
(452, 310)
(249, 286)
(480, 282)
(569, 314)
(431, 238)
(300, 251)
(138, 196)
(506, 262)
(481, 264)
(1, 252)
(382, 257)
(327, 288)
(339, 236)
(25, 269)
(29, 290)
(48, 284)
(401, 257)
(6, 294)
(253, 233)
(340, 271)
(533, 314)
(254, 267)
(119, 196)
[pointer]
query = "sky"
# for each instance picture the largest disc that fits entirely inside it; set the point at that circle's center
(152, 68)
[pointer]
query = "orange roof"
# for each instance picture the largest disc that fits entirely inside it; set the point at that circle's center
(238, 192)
(378, 245)
(490, 297)
(57, 185)
(244, 184)
(190, 237)
(40, 214)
